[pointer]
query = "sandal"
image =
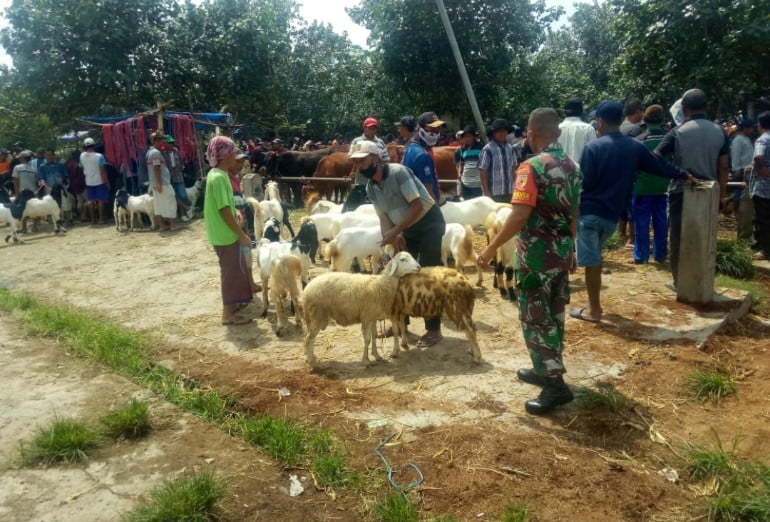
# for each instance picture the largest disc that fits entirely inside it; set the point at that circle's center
(577, 313)
(236, 320)
(429, 339)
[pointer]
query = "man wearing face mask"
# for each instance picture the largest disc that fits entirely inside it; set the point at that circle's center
(418, 156)
(405, 208)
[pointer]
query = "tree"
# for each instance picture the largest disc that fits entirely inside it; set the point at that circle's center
(669, 46)
(415, 51)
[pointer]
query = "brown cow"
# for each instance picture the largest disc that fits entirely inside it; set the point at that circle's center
(335, 165)
(395, 151)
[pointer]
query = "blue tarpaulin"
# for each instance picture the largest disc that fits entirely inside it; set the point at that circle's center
(202, 119)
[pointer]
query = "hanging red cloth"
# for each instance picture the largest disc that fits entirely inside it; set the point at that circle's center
(109, 143)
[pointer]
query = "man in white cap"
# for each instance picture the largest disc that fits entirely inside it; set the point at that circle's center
(97, 183)
(406, 210)
(24, 174)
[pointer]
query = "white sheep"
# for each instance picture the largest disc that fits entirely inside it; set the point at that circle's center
(471, 212)
(458, 241)
(283, 281)
(504, 254)
(353, 298)
(138, 205)
(355, 243)
(433, 292)
(43, 208)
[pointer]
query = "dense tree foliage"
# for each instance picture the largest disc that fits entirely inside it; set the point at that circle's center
(276, 73)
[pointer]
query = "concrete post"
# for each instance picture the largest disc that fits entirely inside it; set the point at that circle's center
(698, 244)
(247, 184)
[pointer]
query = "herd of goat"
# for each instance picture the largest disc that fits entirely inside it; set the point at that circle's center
(396, 289)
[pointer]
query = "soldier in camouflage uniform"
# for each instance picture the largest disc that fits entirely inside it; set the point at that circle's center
(544, 219)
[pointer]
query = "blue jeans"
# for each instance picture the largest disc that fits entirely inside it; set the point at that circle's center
(648, 208)
(592, 233)
(180, 192)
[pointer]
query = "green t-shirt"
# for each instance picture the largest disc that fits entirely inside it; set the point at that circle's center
(650, 184)
(219, 194)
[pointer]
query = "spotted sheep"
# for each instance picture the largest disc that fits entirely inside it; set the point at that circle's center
(433, 292)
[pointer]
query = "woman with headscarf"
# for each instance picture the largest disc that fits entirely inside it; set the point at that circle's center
(230, 242)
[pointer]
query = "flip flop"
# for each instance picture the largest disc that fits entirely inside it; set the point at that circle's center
(577, 313)
(236, 321)
(429, 339)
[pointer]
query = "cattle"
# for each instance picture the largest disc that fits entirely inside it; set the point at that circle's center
(444, 158)
(294, 164)
(396, 152)
(335, 165)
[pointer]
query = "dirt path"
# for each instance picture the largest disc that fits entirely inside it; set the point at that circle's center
(41, 381)
(463, 424)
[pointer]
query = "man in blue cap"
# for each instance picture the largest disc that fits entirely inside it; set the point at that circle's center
(609, 166)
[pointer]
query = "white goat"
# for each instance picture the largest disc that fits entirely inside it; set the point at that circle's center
(458, 241)
(273, 192)
(471, 212)
(353, 298)
(68, 202)
(355, 219)
(120, 213)
(326, 207)
(44, 208)
(138, 205)
(192, 194)
(269, 252)
(504, 255)
(271, 208)
(283, 281)
(355, 243)
(259, 218)
(366, 208)
(326, 224)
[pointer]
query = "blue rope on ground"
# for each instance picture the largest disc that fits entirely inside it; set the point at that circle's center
(390, 471)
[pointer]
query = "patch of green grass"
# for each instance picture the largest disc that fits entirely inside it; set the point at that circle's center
(516, 512)
(712, 384)
(210, 404)
(743, 487)
(330, 470)
(129, 353)
(760, 302)
(714, 462)
(734, 258)
(65, 440)
(281, 438)
(131, 421)
(396, 507)
(191, 498)
(604, 397)
(445, 518)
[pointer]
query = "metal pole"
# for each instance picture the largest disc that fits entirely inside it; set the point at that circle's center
(461, 67)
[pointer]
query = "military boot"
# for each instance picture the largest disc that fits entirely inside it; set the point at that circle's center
(555, 393)
(529, 376)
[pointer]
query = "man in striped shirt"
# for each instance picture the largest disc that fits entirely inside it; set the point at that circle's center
(497, 164)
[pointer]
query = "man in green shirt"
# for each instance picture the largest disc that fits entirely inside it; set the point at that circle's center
(230, 242)
(649, 199)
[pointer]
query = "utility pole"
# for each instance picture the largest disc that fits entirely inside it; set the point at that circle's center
(461, 67)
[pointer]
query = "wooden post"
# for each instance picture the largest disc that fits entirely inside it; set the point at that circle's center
(698, 244)
(160, 113)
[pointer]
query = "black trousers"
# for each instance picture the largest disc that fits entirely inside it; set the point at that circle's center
(675, 203)
(762, 224)
(423, 241)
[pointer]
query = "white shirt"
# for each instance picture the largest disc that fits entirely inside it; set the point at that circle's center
(92, 163)
(575, 134)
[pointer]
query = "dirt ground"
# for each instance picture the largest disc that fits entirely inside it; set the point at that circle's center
(462, 424)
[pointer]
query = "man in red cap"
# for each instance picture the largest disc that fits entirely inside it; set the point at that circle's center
(357, 195)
